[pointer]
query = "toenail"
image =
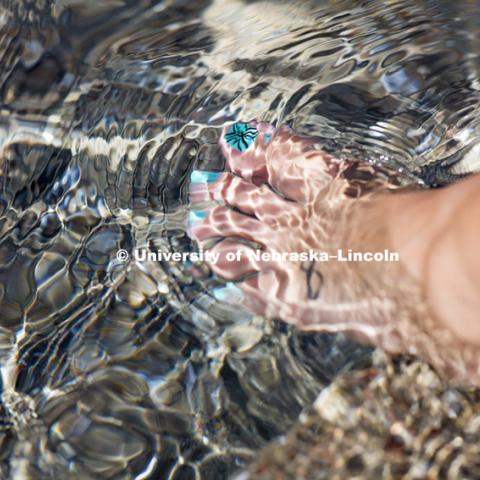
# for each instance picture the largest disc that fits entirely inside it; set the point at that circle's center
(241, 136)
(267, 137)
(196, 215)
(230, 293)
(199, 176)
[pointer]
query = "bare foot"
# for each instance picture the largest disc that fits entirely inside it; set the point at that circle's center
(286, 197)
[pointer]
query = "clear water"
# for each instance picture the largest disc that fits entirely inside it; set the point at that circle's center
(119, 370)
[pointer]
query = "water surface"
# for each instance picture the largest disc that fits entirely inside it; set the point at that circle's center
(117, 370)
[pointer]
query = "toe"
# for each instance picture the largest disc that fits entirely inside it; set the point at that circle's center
(254, 300)
(261, 202)
(225, 222)
(244, 146)
(235, 260)
(296, 168)
(207, 191)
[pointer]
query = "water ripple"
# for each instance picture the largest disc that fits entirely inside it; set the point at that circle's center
(138, 369)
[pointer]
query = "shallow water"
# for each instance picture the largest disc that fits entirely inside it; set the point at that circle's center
(139, 370)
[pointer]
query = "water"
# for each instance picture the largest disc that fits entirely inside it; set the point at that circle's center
(123, 370)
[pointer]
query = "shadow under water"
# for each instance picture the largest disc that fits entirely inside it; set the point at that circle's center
(113, 368)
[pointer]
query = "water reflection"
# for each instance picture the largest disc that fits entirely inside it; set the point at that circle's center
(139, 369)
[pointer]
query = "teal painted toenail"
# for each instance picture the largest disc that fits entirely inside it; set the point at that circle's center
(241, 136)
(196, 216)
(230, 292)
(267, 137)
(199, 176)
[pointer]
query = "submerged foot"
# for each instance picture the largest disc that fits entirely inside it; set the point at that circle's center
(286, 210)
(287, 197)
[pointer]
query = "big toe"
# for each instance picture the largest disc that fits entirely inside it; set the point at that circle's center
(291, 163)
(244, 146)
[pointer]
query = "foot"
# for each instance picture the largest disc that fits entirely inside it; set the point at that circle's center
(285, 196)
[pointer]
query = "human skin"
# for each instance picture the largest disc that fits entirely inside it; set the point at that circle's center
(436, 233)
(286, 195)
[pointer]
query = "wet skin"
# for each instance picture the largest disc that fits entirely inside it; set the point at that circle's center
(283, 194)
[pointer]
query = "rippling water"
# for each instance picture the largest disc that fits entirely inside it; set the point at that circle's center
(139, 370)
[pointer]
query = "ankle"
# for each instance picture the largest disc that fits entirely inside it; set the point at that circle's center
(429, 229)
